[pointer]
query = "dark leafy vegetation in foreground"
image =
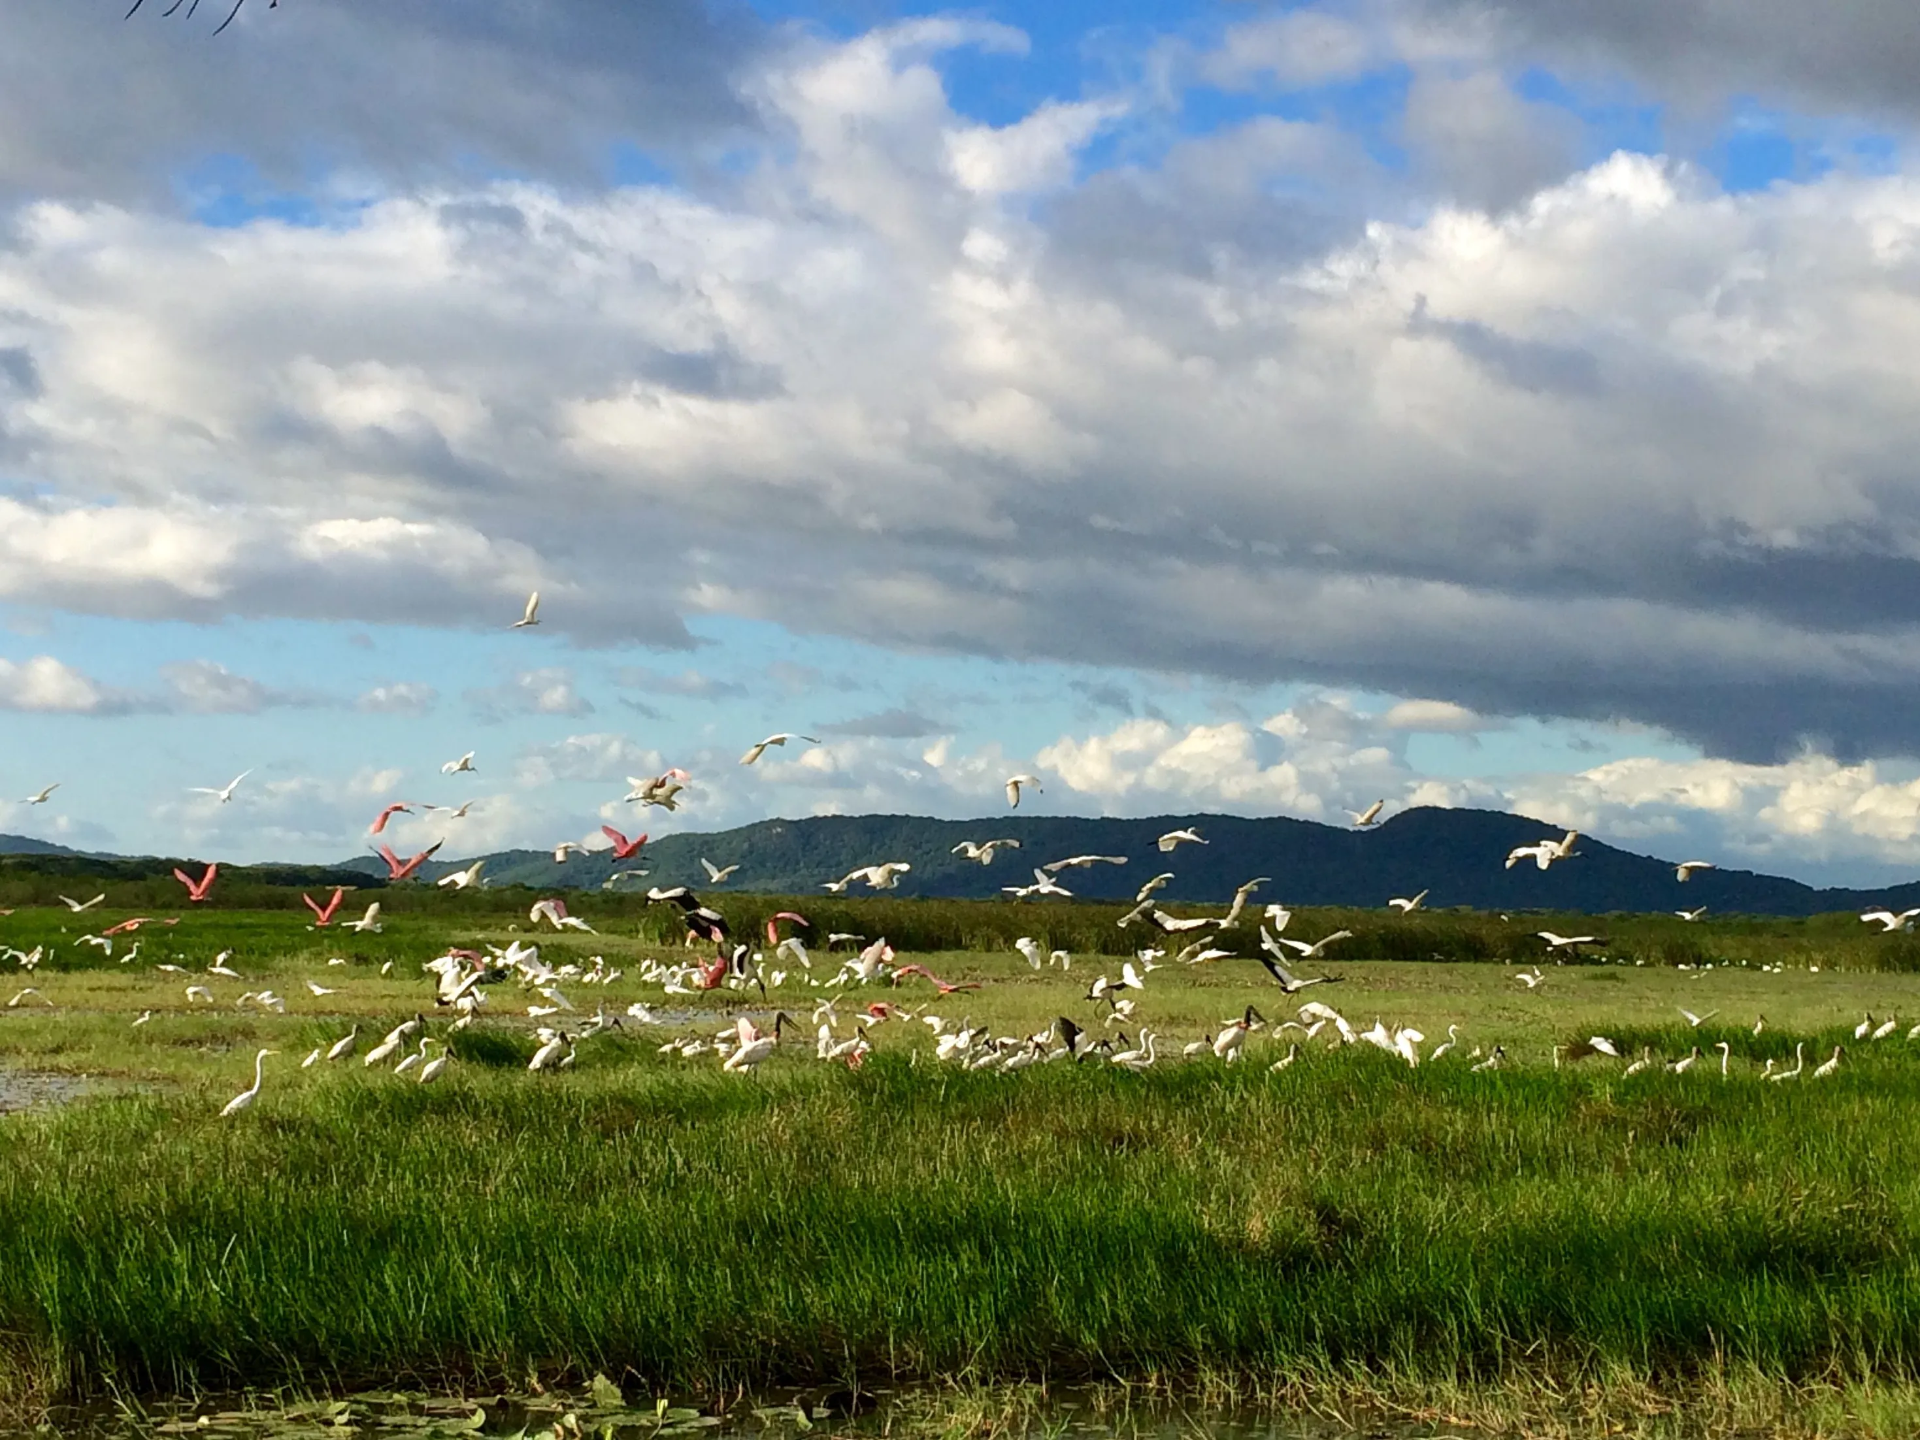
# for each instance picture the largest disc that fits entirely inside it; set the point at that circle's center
(690, 1232)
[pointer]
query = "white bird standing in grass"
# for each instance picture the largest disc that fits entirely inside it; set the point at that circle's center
(1799, 1064)
(1827, 1067)
(781, 739)
(250, 1094)
(343, 1047)
(431, 1071)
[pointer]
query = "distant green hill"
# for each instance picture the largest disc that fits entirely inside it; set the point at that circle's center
(1458, 856)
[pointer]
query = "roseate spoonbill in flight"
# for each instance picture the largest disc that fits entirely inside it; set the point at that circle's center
(623, 848)
(198, 890)
(398, 869)
(323, 915)
(380, 821)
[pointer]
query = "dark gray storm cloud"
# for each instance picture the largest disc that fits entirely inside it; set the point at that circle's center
(91, 105)
(1851, 56)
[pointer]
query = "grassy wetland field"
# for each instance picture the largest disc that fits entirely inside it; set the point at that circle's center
(1533, 1246)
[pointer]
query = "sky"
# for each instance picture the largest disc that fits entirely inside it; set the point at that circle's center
(1258, 408)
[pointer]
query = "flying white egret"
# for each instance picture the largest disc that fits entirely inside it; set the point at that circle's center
(1082, 862)
(41, 797)
(781, 739)
(1173, 839)
(1407, 904)
(225, 793)
(1366, 817)
(461, 879)
(531, 616)
(77, 906)
(1888, 921)
(464, 765)
(1683, 872)
(1157, 883)
(717, 874)
(982, 850)
(1568, 942)
(1014, 784)
(1696, 1021)
(369, 921)
(251, 1093)
(1693, 914)
(1317, 948)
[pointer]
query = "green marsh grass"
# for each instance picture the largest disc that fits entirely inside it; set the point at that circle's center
(1497, 1244)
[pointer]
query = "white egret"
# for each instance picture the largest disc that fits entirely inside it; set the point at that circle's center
(249, 1095)
(1014, 785)
(781, 739)
(531, 615)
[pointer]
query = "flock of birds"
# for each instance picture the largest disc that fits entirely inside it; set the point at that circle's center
(464, 979)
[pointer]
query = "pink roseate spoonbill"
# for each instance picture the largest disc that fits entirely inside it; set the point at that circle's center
(531, 615)
(127, 927)
(398, 869)
(773, 923)
(717, 874)
(781, 739)
(198, 890)
(944, 987)
(323, 914)
(225, 794)
(380, 821)
(623, 848)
